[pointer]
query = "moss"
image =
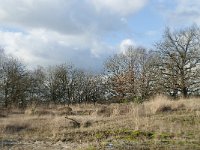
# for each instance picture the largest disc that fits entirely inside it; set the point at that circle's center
(142, 134)
(91, 148)
(163, 136)
(182, 143)
(135, 135)
(128, 138)
(99, 135)
(126, 134)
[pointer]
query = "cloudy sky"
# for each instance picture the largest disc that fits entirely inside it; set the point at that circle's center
(85, 32)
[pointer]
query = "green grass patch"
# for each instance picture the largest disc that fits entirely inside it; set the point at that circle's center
(132, 135)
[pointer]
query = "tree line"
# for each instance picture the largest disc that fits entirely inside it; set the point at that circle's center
(171, 68)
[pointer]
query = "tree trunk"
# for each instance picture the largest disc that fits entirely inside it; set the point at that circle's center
(185, 92)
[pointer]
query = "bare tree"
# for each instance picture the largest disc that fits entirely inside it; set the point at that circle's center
(180, 58)
(130, 74)
(115, 68)
(14, 83)
(147, 75)
(2, 60)
(58, 84)
(37, 88)
(93, 89)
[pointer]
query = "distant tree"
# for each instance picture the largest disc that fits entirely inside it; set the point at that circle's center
(147, 74)
(2, 60)
(14, 83)
(58, 83)
(93, 89)
(115, 67)
(180, 57)
(69, 85)
(130, 74)
(84, 86)
(37, 88)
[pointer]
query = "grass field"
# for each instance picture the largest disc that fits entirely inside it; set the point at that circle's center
(156, 124)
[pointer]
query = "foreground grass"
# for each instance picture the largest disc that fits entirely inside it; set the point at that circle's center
(157, 124)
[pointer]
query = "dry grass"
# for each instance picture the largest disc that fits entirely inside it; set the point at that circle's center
(176, 123)
(162, 104)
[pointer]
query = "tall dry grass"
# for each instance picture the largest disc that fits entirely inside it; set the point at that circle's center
(157, 115)
(163, 104)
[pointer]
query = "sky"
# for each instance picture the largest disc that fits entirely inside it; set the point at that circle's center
(86, 32)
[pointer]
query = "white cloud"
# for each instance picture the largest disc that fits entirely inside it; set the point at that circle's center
(125, 44)
(180, 12)
(120, 7)
(46, 32)
(187, 11)
(42, 47)
(71, 16)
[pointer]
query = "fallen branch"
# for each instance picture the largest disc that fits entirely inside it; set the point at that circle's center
(76, 122)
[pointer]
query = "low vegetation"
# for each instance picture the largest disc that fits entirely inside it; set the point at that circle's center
(156, 124)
